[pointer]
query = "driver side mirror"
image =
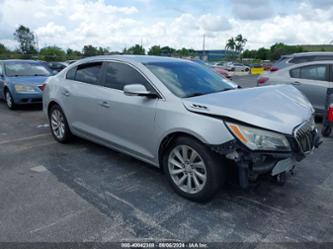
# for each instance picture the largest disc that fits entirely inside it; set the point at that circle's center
(138, 90)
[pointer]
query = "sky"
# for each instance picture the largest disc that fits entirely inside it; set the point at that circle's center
(117, 24)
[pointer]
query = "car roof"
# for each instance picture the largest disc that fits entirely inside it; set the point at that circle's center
(134, 58)
(20, 60)
(310, 54)
(306, 64)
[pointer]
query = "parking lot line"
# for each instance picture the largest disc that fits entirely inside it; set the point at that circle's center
(23, 138)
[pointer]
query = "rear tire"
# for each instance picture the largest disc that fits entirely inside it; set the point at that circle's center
(59, 125)
(193, 170)
(326, 131)
(9, 100)
(281, 179)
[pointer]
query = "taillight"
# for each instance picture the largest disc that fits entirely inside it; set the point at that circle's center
(330, 113)
(262, 80)
(274, 69)
(42, 87)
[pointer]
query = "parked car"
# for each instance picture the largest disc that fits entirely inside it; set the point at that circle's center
(22, 81)
(223, 72)
(56, 67)
(311, 78)
(267, 66)
(296, 58)
(70, 61)
(217, 69)
(238, 67)
(182, 117)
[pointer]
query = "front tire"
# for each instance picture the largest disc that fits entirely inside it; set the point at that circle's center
(194, 171)
(59, 125)
(9, 100)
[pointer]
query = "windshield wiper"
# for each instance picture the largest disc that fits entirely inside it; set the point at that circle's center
(199, 94)
(195, 95)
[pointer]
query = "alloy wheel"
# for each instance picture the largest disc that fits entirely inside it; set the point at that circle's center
(187, 169)
(9, 100)
(58, 124)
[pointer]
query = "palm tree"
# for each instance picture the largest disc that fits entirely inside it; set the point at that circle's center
(231, 45)
(240, 43)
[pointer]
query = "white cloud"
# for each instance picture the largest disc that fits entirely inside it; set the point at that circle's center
(213, 23)
(252, 10)
(79, 22)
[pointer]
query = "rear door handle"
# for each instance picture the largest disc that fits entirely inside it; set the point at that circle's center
(296, 83)
(104, 104)
(66, 93)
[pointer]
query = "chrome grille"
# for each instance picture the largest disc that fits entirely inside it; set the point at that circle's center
(305, 136)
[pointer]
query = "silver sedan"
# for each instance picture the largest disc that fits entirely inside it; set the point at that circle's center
(182, 117)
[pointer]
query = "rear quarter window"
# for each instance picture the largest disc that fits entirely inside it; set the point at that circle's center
(71, 74)
(311, 72)
(302, 59)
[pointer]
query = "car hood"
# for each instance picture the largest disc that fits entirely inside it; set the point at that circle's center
(279, 108)
(29, 80)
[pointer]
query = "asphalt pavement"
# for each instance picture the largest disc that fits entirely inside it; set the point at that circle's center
(52, 192)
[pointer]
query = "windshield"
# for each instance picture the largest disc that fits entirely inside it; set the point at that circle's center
(188, 79)
(25, 69)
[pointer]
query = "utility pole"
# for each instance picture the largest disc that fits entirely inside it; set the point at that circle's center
(36, 41)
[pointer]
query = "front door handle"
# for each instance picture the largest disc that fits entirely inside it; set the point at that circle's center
(66, 93)
(296, 83)
(104, 104)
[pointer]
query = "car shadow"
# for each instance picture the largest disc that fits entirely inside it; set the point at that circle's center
(139, 195)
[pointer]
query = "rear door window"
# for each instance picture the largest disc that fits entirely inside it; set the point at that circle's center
(89, 73)
(312, 72)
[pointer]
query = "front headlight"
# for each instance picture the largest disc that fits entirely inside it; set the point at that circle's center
(24, 89)
(257, 139)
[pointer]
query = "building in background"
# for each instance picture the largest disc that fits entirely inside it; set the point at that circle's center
(215, 55)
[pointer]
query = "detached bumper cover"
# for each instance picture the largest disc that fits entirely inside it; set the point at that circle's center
(305, 139)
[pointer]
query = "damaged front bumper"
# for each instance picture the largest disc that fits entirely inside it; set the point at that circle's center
(251, 164)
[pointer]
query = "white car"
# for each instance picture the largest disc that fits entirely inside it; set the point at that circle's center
(311, 78)
(233, 66)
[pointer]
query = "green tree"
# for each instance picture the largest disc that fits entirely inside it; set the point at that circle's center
(52, 53)
(240, 43)
(231, 44)
(5, 53)
(136, 49)
(89, 50)
(263, 54)
(168, 51)
(26, 40)
(102, 51)
(3, 49)
(155, 50)
(250, 54)
(73, 54)
(184, 52)
(279, 49)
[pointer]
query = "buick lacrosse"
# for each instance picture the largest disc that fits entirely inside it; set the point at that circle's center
(182, 117)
